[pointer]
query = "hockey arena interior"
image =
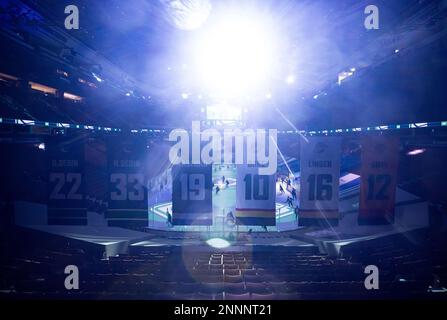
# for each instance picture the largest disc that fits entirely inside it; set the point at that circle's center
(223, 150)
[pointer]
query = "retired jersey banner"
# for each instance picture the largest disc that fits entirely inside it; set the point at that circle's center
(320, 174)
(127, 166)
(66, 182)
(255, 197)
(380, 157)
(192, 195)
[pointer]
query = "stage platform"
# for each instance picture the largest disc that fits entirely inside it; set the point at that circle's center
(113, 236)
(113, 240)
(243, 239)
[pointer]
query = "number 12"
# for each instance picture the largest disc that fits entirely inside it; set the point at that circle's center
(378, 186)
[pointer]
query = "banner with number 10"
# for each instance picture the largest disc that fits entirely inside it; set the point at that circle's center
(256, 196)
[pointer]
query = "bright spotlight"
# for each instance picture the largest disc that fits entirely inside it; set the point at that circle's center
(268, 96)
(236, 54)
(290, 79)
(415, 152)
(218, 243)
(185, 96)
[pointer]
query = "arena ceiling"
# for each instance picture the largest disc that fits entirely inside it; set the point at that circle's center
(147, 42)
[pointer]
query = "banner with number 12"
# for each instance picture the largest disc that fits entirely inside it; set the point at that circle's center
(380, 158)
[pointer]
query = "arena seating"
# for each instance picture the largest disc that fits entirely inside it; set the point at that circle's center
(263, 273)
(25, 103)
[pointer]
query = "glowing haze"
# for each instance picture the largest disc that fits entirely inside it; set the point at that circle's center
(235, 54)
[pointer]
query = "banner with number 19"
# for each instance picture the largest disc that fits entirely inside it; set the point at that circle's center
(192, 195)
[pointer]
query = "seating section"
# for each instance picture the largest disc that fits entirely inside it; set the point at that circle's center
(25, 103)
(261, 274)
(411, 259)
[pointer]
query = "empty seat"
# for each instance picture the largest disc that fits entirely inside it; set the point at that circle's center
(163, 296)
(216, 267)
(214, 272)
(256, 287)
(187, 288)
(210, 278)
(288, 296)
(241, 296)
(252, 272)
(185, 296)
(148, 287)
(232, 272)
(234, 287)
(212, 287)
(203, 296)
(253, 278)
(208, 296)
(201, 268)
(235, 278)
(263, 296)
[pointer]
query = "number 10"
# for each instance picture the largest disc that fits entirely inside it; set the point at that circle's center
(256, 187)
